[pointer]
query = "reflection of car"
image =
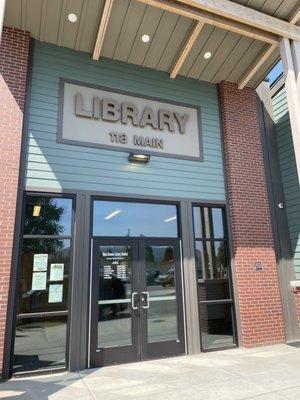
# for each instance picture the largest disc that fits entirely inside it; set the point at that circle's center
(152, 277)
(169, 278)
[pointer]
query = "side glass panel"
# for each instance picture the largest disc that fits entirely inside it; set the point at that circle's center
(116, 218)
(40, 338)
(40, 341)
(114, 308)
(161, 286)
(216, 325)
(212, 269)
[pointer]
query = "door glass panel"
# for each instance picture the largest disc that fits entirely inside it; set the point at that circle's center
(160, 278)
(117, 218)
(216, 325)
(40, 341)
(114, 300)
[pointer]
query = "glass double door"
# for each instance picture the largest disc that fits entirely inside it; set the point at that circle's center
(136, 300)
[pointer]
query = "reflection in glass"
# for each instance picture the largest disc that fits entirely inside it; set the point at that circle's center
(40, 343)
(47, 216)
(160, 275)
(217, 217)
(114, 310)
(208, 222)
(116, 218)
(216, 325)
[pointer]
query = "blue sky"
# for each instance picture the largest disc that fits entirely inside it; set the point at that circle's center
(276, 71)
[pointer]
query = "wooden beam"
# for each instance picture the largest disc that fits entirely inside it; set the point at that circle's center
(102, 28)
(2, 12)
(237, 12)
(260, 60)
(295, 17)
(213, 19)
(188, 44)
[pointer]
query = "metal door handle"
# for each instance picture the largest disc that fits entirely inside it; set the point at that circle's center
(132, 301)
(147, 298)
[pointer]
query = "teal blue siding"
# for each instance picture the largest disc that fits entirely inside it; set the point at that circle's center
(288, 172)
(60, 166)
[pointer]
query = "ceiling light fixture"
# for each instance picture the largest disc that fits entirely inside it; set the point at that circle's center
(113, 214)
(72, 17)
(170, 219)
(207, 55)
(140, 158)
(145, 38)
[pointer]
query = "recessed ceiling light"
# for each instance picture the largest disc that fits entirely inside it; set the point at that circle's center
(145, 38)
(72, 17)
(112, 214)
(207, 55)
(170, 219)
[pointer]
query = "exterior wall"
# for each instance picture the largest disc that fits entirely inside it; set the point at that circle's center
(61, 166)
(14, 51)
(288, 172)
(258, 291)
(289, 178)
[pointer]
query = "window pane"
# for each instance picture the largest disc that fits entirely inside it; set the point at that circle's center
(197, 222)
(44, 279)
(217, 216)
(40, 343)
(212, 270)
(116, 218)
(47, 216)
(216, 325)
(203, 222)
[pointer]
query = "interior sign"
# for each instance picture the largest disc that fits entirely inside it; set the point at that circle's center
(92, 116)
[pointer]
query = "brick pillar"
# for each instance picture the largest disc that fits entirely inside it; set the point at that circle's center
(258, 291)
(14, 50)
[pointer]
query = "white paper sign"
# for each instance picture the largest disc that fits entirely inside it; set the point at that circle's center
(39, 281)
(55, 293)
(40, 262)
(56, 272)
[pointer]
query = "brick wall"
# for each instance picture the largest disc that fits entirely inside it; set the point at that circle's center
(258, 291)
(297, 300)
(14, 49)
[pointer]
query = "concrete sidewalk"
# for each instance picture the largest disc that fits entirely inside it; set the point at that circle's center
(267, 373)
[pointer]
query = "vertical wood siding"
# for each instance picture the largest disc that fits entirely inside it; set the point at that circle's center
(60, 166)
(288, 171)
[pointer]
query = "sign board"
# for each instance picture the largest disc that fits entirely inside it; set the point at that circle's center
(99, 117)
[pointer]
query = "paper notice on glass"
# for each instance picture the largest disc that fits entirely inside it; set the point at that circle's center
(39, 281)
(55, 294)
(56, 272)
(40, 262)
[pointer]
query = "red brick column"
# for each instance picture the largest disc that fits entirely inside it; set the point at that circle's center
(258, 291)
(14, 49)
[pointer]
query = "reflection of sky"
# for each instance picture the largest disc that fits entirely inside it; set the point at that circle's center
(66, 218)
(135, 219)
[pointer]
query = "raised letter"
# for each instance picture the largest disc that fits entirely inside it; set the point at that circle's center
(138, 140)
(110, 110)
(148, 118)
(166, 118)
(79, 111)
(96, 108)
(129, 111)
(182, 120)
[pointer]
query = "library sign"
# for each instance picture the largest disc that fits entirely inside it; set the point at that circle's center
(98, 117)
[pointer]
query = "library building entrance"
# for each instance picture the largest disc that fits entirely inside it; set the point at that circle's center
(136, 299)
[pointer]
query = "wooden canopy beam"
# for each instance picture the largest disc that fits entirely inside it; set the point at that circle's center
(213, 19)
(237, 12)
(267, 52)
(102, 28)
(188, 44)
